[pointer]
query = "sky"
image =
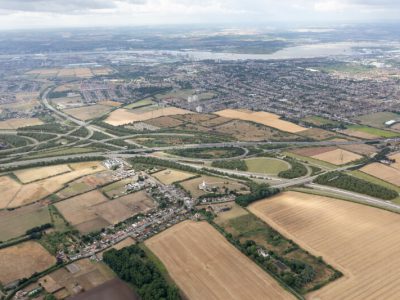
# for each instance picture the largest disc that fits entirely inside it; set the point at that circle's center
(30, 14)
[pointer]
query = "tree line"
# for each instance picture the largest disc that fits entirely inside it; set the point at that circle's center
(297, 170)
(258, 192)
(350, 183)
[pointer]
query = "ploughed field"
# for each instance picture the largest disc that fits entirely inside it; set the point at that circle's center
(358, 240)
(206, 266)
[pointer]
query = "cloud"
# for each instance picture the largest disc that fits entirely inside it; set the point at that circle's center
(62, 6)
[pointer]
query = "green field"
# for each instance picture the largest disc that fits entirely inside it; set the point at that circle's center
(374, 131)
(140, 103)
(378, 119)
(319, 121)
(266, 165)
(16, 222)
(116, 188)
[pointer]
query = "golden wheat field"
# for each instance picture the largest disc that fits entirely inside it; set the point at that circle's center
(265, 118)
(33, 174)
(384, 172)
(124, 116)
(360, 241)
(206, 266)
(22, 260)
(12, 124)
(338, 157)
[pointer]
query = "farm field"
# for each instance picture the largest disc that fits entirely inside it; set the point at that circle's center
(15, 223)
(247, 131)
(317, 134)
(378, 119)
(110, 103)
(265, 118)
(8, 189)
(206, 266)
(92, 211)
(374, 131)
(359, 134)
(362, 149)
(22, 260)
(84, 272)
(344, 234)
(384, 172)
(338, 157)
(124, 116)
(216, 183)
(319, 121)
(266, 165)
(170, 176)
(115, 289)
(12, 124)
(310, 160)
(85, 113)
(144, 102)
(396, 164)
(34, 191)
(164, 122)
(244, 226)
(116, 189)
(34, 174)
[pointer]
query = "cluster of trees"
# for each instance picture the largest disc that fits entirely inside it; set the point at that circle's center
(49, 127)
(209, 153)
(81, 132)
(52, 162)
(38, 136)
(13, 140)
(297, 170)
(132, 265)
(258, 192)
(234, 164)
(39, 228)
(350, 183)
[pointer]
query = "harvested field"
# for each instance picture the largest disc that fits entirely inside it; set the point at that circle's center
(116, 189)
(68, 87)
(141, 103)
(193, 185)
(384, 172)
(124, 116)
(79, 209)
(205, 266)
(247, 131)
(170, 176)
(338, 157)
(396, 164)
(12, 124)
(312, 151)
(317, 134)
(319, 121)
(22, 260)
(67, 102)
(195, 118)
(8, 189)
(137, 202)
(216, 121)
(32, 192)
(15, 223)
(265, 118)
(110, 103)
(234, 212)
(267, 165)
(395, 127)
(374, 131)
(34, 174)
(85, 113)
(362, 149)
(92, 211)
(84, 272)
(359, 134)
(164, 122)
(359, 240)
(115, 289)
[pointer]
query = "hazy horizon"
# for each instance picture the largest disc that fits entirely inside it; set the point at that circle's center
(35, 14)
